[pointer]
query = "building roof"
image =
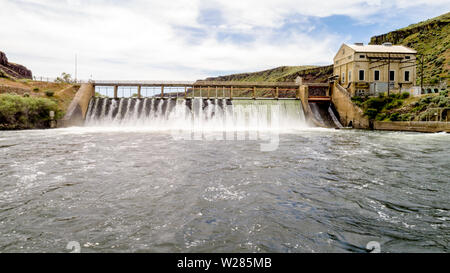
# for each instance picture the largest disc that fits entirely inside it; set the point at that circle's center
(382, 49)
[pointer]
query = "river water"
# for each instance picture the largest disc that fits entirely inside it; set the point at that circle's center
(119, 189)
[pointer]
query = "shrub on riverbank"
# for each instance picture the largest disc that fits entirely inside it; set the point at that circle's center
(18, 112)
(377, 107)
(426, 106)
(399, 107)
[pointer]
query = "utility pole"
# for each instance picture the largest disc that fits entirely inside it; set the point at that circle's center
(76, 68)
(389, 73)
(421, 76)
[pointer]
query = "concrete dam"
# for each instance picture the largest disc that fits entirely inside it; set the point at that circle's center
(196, 114)
(291, 106)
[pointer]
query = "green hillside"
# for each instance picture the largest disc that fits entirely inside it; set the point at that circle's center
(431, 38)
(282, 74)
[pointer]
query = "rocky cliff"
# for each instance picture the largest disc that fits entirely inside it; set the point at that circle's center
(12, 69)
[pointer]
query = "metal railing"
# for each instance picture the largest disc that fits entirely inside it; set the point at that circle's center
(53, 79)
(194, 91)
(140, 82)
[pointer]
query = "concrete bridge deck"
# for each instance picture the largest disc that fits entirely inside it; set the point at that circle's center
(204, 84)
(211, 89)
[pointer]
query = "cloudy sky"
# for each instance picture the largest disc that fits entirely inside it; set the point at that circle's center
(188, 40)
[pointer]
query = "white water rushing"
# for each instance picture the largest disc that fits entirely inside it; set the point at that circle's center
(196, 114)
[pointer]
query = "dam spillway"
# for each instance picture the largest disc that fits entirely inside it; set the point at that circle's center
(196, 114)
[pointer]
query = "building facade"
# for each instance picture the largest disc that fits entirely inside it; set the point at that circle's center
(371, 69)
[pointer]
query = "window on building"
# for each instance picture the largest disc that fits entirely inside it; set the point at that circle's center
(362, 56)
(376, 75)
(349, 76)
(343, 76)
(392, 75)
(407, 76)
(407, 57)
(361, 75)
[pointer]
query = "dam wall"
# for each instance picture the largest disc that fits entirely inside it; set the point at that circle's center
(76, 112)
(350, 114)
(318, 114)
(163, 112)
(196, 114)
(310, 117)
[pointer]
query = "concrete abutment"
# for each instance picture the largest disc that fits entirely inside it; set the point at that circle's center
(78, 108)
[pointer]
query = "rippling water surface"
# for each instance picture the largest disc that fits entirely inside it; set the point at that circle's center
(119, 190)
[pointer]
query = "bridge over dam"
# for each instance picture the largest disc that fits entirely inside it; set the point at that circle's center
(211, 104)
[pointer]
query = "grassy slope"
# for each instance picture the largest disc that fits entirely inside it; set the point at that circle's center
(309, 73)
(281, 74)
(401, 107)
(430, 38)
(63, 93)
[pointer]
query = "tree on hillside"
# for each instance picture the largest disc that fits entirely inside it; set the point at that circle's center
(65, 78)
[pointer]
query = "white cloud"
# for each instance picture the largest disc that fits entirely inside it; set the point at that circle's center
(151, 39)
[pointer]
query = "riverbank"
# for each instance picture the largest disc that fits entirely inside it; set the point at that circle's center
(413, 126)
(399, 112)
(19, 112)
(403, 107)
(26, 104)
(60, 92)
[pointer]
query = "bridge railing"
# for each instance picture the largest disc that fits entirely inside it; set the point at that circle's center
(196, 92)
(134, 91)
(140, 83)
(53, 79)
(204, 89)
(243, 92)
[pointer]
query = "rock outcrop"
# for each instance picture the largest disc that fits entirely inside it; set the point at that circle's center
(12, 69)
